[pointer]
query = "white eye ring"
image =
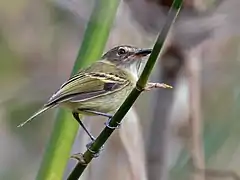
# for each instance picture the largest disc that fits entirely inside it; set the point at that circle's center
(121, 51)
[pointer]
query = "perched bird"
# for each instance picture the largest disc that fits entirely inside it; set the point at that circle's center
(101, 88)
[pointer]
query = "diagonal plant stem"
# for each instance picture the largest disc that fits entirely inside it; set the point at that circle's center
(86, 158)
(65, 129)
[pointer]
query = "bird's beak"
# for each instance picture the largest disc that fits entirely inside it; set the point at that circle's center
(143, 52)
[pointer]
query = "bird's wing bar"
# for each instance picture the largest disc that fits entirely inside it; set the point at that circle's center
(87, 85)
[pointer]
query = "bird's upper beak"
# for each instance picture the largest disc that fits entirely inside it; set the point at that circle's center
(143, 52)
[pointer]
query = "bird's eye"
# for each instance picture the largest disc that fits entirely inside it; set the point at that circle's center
(121, 51)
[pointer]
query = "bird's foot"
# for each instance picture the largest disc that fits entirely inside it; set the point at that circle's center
(95, 154)
(112, 127)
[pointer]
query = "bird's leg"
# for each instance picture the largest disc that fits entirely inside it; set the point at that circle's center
(109, 116)
(105, 115)
(150, 86)
(95, 154)
(76, 116)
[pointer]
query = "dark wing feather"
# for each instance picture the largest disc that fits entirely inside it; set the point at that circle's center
(107, 88)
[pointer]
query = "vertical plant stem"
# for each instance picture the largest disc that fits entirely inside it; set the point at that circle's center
(193, 70)
(65, 129)
(117, 118)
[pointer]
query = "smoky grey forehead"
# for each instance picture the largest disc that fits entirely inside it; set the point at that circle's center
(113, 53)
(126, 47)
(114, 50)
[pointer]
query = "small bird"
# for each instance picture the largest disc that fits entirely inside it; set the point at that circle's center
(101, 88)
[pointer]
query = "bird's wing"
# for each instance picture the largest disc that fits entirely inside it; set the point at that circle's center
(100, 78)
(89, 84)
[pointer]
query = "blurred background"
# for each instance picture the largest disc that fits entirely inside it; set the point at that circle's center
(190, 132)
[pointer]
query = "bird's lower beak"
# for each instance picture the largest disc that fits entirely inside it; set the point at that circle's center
(143, 52)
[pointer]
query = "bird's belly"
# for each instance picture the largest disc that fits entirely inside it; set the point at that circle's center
(103, 104)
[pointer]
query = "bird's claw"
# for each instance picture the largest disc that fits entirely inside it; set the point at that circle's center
(95, 154)
(112, 127)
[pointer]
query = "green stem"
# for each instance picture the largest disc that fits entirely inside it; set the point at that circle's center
(117, 118)
(65, 129)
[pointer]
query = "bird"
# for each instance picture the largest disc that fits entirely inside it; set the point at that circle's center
(101, 88)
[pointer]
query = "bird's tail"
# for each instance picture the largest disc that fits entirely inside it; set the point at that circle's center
(40, 111)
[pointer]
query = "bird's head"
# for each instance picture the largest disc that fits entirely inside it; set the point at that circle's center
(126, 56)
